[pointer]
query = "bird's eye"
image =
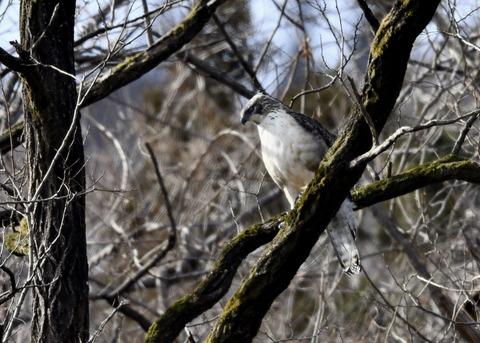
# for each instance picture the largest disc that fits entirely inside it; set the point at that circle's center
(250, 109)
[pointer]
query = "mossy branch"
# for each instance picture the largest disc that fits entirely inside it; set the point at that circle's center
(451, 167)
(217, 283)
(168, 326)
(137, 65)
(134, 66)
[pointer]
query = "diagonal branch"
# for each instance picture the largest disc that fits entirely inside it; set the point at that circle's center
(167, 327)
(276, 267)
(11, 62)
(140, 63)
(372, 20)
(245, 65)
(218, 75)
(133, 67)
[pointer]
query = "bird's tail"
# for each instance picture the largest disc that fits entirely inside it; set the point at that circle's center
(342, 232)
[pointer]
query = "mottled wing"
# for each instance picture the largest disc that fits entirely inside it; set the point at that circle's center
(313, 127)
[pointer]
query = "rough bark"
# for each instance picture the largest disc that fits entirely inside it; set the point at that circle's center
(56, 180)
(272, 273)
(168, 326)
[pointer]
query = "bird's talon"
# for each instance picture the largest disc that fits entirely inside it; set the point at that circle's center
(298, 197)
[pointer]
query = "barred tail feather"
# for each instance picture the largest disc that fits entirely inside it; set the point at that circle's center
(342, 232)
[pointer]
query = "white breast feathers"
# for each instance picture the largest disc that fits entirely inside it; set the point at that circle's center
(291, 155)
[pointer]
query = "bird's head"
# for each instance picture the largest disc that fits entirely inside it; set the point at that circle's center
(257, 108)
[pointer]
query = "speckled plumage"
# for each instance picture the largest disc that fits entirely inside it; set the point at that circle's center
(293, 145)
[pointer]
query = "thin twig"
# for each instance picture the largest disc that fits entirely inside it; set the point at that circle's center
(463, 134)
(163, 189)
(394, 309)
(146, 20)
(375, 151)
(316, 90)
(251, 72)
(42, 36)
(160, 251)
(270, 39)
(104, 323)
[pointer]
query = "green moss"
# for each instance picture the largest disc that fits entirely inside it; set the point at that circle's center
(128, 62)
(17, 242)
(450, 167)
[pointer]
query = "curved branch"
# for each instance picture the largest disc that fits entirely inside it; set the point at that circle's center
(215, 285)
(451, 167)
(139, 64)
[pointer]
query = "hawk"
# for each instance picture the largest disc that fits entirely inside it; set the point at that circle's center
(293, 145)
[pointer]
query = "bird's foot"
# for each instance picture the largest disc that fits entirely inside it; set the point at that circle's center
(298, 197)
(353, 270)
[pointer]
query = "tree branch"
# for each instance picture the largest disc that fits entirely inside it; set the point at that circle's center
(372, 20)
(215, 285)
(216, 74)
(272, 273)
(11, 62)
(464, 324)
(241, 60)
(140, 63)
(451, 167)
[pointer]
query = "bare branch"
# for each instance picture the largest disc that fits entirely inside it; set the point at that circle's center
(377, 150)
(372, 20)
(173, 229)
(140, 63)
(463, 134)
(208, 71)
(10, 61)
(251, 72)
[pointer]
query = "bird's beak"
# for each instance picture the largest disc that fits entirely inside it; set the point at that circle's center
(246, 117)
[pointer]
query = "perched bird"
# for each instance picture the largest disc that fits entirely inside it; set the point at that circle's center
(293, 145)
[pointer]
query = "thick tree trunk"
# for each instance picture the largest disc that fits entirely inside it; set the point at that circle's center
(56, 176)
